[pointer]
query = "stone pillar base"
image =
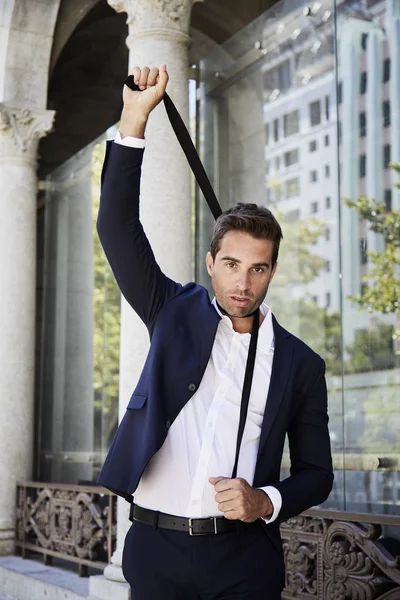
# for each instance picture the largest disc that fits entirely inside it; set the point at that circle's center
(101, 588)
(7, 546)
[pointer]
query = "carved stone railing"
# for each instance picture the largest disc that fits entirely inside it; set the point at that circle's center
(329, 555)
(75, 523)
(332, 555)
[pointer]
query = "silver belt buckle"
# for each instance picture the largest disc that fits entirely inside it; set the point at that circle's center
(191, 527)
(191, 532)
(215, 525)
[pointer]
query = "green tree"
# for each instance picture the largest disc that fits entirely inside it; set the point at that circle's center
(379, 347)
(299, 265)
(381, 293)
(372, 350)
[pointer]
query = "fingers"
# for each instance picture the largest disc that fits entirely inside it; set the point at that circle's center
(228, 506)
(226, 496)
(215, 480)
(136, 74)
(222, 483)
(152, 77)
(162, 78)
(146, 77)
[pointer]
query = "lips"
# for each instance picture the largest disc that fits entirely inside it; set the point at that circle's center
(240, 300)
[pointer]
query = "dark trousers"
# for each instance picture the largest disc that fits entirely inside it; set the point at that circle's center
(171, 565)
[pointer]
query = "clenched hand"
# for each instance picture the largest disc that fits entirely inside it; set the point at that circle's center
(138, 105)
(238, 500)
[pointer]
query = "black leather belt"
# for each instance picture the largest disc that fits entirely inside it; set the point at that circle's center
(208, 526)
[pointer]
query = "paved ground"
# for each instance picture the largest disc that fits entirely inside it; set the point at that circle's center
(65, 578)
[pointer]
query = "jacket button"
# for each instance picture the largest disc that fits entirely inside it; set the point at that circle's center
(192, 387)
(168, 424)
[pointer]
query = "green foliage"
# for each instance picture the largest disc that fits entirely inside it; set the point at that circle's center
(379, 347)
(381, 432)
(299, 265)
(382, 290)
(107, 300)
(372, 350)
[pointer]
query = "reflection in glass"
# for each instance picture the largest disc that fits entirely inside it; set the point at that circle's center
(78, 387)
(331, 136)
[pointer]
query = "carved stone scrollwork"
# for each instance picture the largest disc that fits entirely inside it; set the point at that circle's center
(319, 526)
(329, 559)
(155, 14)
(325, 558)
(301, 566)
(21, 128)
(356, 565)
(392, 595)
(70, 522)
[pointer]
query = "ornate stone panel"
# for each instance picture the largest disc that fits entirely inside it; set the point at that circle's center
(76, 523)
(331, 559)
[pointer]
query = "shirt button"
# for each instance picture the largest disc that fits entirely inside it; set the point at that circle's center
(168, 424)
(192, 387)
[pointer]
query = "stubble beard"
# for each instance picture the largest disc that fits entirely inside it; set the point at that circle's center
(237, 312)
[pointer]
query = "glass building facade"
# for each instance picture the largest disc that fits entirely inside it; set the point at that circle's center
(298, 112)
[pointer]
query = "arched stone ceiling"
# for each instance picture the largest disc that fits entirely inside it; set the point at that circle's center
(221, 19)
(89, 63)
(85, 85)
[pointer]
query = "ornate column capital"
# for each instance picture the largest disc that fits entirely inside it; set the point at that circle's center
(150, 16)
(20, 131)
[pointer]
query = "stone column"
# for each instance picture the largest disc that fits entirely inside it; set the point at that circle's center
(20, 130)
(158, 33)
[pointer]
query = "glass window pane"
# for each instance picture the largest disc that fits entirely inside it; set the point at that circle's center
(369, 200)
(363, 83)
(299, 97)
(291, 123)
(315, 113)
(78, 400)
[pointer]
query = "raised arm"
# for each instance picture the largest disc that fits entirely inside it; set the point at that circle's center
(127, 248)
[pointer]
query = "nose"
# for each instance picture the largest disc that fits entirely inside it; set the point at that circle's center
(243, 282)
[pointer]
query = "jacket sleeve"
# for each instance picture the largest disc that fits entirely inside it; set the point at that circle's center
(311, 473)
(125, 244)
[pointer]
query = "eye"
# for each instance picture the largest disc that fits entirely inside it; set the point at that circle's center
(258, 269)
(230, 265)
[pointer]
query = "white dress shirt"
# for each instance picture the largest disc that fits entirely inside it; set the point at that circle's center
(201, 442)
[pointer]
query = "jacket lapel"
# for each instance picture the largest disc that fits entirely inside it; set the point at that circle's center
(281, 366)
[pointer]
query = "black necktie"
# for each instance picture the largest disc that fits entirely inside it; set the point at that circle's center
(196, 165)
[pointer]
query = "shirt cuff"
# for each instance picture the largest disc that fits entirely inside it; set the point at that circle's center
(130, 141)
(276, 499)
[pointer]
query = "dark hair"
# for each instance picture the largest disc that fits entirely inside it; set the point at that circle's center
(258, 221)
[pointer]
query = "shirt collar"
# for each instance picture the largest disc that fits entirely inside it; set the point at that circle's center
(266, 338)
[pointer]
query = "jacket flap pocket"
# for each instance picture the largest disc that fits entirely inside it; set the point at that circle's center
(137, 400)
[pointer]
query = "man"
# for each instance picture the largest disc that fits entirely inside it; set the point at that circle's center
(199, 531)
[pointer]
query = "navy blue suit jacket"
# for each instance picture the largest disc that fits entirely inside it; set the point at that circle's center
(182, 324)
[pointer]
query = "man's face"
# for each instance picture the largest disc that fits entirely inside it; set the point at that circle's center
(241, 272)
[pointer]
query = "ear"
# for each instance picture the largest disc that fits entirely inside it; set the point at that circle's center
(209, 263)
